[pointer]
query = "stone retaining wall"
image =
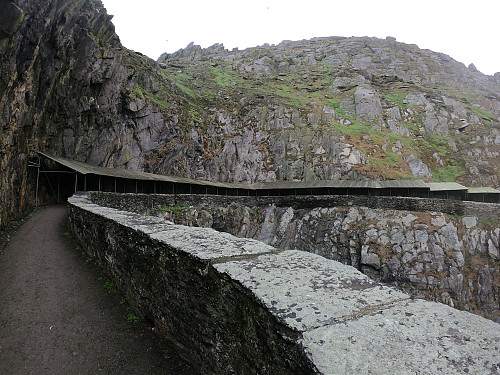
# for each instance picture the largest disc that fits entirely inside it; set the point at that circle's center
(449, 259)
(236, 305)
(137, 202)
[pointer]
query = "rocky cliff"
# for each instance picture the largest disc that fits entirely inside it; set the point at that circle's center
(319, 109)
(337, 108)
(67, 86)
(327, 108)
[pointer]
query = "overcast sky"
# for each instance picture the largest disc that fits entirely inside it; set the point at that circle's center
(468, 31)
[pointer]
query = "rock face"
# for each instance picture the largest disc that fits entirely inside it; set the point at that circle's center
(402, 111)
(49, 65)
(67, 86)
(327, 108)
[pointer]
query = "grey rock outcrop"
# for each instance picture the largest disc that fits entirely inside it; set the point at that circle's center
(367, 102)
(418, 167)
(472, 68)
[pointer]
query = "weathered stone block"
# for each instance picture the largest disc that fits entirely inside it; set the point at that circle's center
(408, 338)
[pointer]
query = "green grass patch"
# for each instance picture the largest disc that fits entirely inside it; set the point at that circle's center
(411, 127)
(469, 97)
(489, 223)
(325, 65)
(355, 128)
(181, 80)
(456, 93)
(389, 160)
(288, 94)
(159, 99)
(188, 91)
(481, 113)
(222, 77)
(332, 103)
(407, 142)
(137, 93)
(450, 173)
(434, 143)
(396, 97)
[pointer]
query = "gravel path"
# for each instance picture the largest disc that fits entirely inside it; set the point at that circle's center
(57, 317)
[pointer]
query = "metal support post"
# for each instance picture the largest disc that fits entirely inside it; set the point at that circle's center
(37, 179)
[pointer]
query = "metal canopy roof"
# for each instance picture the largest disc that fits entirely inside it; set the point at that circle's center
(84, 169)
(349, 184)
(482, 190)
(404, 184)
(446, 186)
(319, 184)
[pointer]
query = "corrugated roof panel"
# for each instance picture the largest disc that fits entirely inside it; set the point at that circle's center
(395, 184)
(350, 184)
(482, 190)
(443, 186)
(71, 164)
(84, 168)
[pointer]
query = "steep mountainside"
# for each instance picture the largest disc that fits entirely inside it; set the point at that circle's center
(320, 109)
(338, 108)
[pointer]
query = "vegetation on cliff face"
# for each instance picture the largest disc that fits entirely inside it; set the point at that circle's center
(348, 108)
(325, 108)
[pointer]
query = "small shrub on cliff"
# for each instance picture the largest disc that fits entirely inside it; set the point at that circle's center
(132, 318)
(137, 93)
(110, 286)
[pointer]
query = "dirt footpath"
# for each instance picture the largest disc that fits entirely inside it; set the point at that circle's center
(57, 317)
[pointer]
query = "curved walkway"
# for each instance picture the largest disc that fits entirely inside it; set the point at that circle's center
(56, 316)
